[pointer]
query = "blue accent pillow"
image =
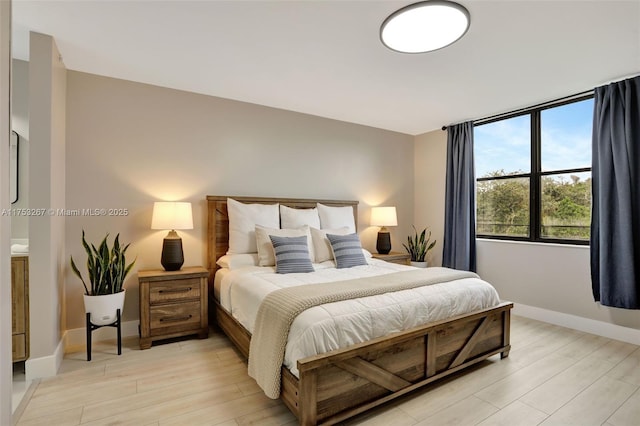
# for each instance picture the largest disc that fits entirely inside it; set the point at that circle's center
(347, 250)
(292, 254)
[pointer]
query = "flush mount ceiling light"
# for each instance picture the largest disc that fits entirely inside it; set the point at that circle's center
(424, 26)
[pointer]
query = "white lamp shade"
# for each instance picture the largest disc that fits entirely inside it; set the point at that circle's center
(384, 216)
(171, 215)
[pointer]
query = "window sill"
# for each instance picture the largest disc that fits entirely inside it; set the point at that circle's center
(533, 243)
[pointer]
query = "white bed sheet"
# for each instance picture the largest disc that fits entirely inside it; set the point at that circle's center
(340, 324)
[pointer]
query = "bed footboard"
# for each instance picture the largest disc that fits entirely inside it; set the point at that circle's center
(343, 383)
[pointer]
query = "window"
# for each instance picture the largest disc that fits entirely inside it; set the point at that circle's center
(534, 174)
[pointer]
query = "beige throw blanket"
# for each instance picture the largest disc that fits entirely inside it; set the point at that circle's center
(280, 308)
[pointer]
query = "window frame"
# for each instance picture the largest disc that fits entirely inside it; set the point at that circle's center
(535, 173)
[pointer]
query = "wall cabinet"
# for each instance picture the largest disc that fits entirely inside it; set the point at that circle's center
(20, 307)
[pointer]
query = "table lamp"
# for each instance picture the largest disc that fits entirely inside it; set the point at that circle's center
(172, 215)
(383, 217)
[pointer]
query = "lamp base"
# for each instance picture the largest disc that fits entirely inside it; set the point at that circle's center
(172, 256)
(383, 245)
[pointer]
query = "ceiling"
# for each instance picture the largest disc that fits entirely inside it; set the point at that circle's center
(324, 57)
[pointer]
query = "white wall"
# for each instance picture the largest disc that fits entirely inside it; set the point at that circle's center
(550, 277)
(130, 144)
(47, 99)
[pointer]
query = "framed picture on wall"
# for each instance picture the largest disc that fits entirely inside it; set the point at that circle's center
(13, 166)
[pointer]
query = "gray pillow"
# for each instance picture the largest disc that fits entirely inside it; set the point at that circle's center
(347, 250)
(292, 254)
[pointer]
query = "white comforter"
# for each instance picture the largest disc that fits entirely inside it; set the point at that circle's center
(336, 325)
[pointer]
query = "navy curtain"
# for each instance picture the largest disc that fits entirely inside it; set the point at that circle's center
(459, 248)
(615, 218)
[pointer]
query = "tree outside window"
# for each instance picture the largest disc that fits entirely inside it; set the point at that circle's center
(534, 176)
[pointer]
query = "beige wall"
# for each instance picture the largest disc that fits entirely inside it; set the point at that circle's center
(47, 93)
(20, 124)
(430, 166)
(5, 222)
(551, 277)
(130, 144)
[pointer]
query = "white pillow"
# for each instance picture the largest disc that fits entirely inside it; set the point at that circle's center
(321, 245)
(235, 261)
(336, 217)
(243, 219)
(266, 254)
(295, 218)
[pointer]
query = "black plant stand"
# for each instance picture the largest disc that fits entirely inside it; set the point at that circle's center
(91, 327)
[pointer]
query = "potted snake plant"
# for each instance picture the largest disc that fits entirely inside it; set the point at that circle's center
(418, 246)
(107, 269)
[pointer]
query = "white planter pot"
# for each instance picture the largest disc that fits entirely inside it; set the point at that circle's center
(104, 308)
(419, 264)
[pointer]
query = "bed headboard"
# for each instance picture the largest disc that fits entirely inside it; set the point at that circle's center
(218, 220)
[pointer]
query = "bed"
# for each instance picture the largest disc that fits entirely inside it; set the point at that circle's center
(332, 386)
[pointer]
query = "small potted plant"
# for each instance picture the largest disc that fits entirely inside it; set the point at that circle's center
(107, 270)
(418, 246)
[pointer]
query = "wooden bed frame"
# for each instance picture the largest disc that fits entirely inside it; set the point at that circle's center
(342, 383)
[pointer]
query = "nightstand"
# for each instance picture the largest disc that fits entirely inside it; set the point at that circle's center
(393, 257)
(173, 304)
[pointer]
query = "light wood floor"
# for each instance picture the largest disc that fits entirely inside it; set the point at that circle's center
(553, 376)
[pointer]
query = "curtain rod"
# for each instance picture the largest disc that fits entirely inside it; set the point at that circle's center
(531, 108)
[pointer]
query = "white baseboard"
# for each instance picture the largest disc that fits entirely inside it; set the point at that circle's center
(600, 328)
(78, 336)
(46, 366)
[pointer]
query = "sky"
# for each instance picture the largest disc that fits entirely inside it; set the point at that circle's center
(566, 141)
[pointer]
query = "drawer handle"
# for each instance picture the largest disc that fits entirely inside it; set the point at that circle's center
(176, 319)
(176, 290)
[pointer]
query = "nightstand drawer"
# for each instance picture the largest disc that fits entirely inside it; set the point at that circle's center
(170, 291)
(178, 315)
